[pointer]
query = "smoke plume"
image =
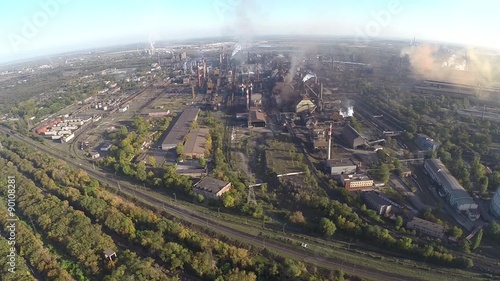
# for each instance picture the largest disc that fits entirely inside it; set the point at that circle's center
(347, 113)
(466, 66)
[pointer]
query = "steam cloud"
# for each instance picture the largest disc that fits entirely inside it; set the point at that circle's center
(347, 113)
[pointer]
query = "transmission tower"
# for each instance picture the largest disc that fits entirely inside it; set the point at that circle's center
(251, 196)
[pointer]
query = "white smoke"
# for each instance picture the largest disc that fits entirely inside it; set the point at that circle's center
(308, 76)
(347, 113)
(237, 48)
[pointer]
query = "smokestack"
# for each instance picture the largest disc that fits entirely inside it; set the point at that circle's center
(328, 157)
(204, 69)
(199, 77)
(192, 91)
(321, 92)
(248, 99)
(258, 72)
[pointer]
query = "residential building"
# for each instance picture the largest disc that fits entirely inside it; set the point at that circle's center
(211, 188)
(453, 191)
(426, 143)
(426, 227)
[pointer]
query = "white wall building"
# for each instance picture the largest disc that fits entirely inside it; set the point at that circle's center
(455, 194)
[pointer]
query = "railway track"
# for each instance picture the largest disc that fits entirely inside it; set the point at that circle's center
(198, 218)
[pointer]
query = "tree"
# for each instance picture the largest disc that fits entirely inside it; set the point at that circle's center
(384, 173)
(180, 148)
(228, 200)
(327, 227)
(203, 162)
(297, 218)
(456, 232)
(493, 229)
(152, 161)
(399, 222)
(477, 239)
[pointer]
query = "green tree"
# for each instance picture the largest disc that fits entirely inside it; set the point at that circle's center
(180, 148)
(384, 173)
(399, 222)
(456, 232)
(152, 161)
(327, 227)
(228, 200)
(477, 239)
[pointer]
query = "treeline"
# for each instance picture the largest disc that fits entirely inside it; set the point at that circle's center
(69, 229)
(36, 254)
(179, 247)
(336, 216)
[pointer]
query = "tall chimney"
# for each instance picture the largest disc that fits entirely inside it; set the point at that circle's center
(199, 77)
(192, 91)
(248, 99)
(321, 92)
(328, 157)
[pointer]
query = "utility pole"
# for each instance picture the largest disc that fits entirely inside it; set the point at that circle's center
(284, 227)
(175, 197)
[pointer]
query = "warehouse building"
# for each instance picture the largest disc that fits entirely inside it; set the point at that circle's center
(341, 166)
(453, 191)
(352, 137)
(426, 227)
(211, 188)
(194, 147)
(179, 128)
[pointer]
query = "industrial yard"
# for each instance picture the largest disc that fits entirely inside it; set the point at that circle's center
(276, 134)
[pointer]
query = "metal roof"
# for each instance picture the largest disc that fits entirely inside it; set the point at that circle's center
(180, 127)
(449, 183)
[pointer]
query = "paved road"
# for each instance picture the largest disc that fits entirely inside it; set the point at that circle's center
(203, 220)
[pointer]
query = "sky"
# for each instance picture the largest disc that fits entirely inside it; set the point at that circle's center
(32, 28)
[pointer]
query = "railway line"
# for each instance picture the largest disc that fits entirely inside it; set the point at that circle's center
(203, 220)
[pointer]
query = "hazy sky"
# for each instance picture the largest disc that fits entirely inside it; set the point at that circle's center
(36, 27)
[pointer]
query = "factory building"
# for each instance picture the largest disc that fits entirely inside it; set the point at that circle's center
(194, 147)
(426, 143)
(356, 182)
(341, 166)
(378, 203)
(256, 118)
(495, 204)
(453, 191)
(426, 227)
(211, 188)
(352, 137)
(179, 128)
